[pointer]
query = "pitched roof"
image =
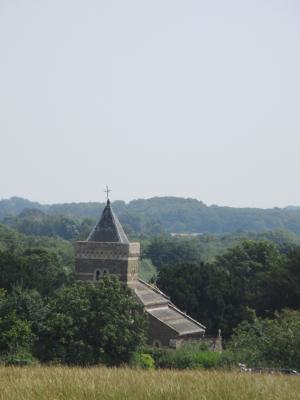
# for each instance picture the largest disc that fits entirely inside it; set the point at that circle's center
(108, 229)
(150, 295)
(160, 307)
(176, 320)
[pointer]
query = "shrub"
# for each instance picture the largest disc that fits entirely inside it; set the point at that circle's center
(269, 342)
(21, 358)
(191, 356)
(181, 359)
(16, 334)
(208, 359)
(142, 360)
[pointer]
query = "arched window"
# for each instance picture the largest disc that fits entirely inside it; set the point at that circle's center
(157, 344)
(97, 274)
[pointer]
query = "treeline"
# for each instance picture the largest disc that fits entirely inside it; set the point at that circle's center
(16, 242)
(251, 279)
(37, 223)
(166, 214)
(168, 250)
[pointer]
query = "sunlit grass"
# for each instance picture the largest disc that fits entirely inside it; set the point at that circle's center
(62, 383)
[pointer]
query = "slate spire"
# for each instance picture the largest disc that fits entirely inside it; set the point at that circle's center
(108, 229)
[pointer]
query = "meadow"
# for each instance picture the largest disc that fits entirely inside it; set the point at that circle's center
(63, 383)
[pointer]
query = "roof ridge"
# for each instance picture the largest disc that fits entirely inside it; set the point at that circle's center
(116, 221)
(154, 288)
(172, 305)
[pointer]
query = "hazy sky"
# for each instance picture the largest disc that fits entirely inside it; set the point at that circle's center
(161, 97)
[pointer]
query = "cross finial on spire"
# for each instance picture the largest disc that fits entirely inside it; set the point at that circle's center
(107, 191)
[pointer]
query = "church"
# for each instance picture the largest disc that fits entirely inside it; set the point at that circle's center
(108, 250)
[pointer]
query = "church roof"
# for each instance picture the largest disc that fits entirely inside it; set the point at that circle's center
(159, 306)
(176, 320)
(150, 295)
(108, 229)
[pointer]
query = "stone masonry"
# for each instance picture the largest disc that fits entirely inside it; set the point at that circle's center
(107, 250)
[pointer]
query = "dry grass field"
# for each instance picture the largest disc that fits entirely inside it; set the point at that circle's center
(62, 383)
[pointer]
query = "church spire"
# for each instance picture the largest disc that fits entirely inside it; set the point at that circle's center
(109, 228)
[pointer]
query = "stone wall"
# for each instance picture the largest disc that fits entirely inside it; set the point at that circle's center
(94, 259)
(106, 250)
(160, 334)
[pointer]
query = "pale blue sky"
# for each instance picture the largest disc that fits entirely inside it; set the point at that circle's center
(188, 98)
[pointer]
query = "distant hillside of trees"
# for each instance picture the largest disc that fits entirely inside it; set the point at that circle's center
(152, 216)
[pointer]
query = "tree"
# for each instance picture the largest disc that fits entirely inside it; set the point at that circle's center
(16, 335)
(293, 270)
(28, 305)
(167, 251)
(33, 269)
(22, 314)
(187, 286)
(93, 323)
(246, 277)
(269, 342)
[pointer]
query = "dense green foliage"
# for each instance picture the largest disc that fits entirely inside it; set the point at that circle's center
(142, 360)
(38, 223)
(80, 324)
(16, 242)
(33, 269)
(92, 323)
(269, 342)
(191, 356)
(224, 281)
(44, 316)
(251, 276)
(15, 335)
(167, 250)
(16, 205)
(153, 216)
(191, 359)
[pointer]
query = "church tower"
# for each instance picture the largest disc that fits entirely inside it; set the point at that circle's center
(107, 250)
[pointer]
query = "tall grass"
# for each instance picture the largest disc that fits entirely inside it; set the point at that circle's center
(62, 383)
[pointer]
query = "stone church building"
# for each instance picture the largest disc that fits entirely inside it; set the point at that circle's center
(107, 250)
